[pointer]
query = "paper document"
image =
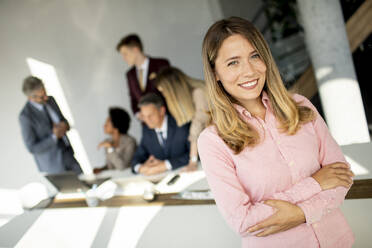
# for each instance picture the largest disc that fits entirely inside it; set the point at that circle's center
(195, 195)
(183, 182)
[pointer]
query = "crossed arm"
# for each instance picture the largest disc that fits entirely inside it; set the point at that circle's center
(33, 143)
(285, 209)
(306, 201)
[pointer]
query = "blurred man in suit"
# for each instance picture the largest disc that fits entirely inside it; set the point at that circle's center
(164, 146)
(141, 76)
(44, 130)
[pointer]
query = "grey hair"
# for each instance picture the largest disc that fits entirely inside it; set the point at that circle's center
(30, 84)
(151, 98)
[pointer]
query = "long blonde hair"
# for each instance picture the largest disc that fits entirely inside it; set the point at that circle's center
(236, 133)
(177, 88)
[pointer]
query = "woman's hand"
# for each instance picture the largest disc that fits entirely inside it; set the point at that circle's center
(286, 217)
(104, 144)
(334, 175)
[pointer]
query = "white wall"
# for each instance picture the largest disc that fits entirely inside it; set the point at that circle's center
(79, 38)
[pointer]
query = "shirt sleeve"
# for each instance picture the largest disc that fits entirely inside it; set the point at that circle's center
(140, 155)
(32, 142)
(329, 152)
(136, 168)
(133, 100)
(232, 201)
(303, 190)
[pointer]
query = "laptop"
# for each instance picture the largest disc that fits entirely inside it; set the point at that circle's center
(67, 182)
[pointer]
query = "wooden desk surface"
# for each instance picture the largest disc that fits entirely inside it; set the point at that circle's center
(361, 189)
(118, 201)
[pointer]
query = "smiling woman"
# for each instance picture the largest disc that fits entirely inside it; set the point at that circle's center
(277, 175)
(241, 71)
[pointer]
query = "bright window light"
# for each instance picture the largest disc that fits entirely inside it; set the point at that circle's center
(345, 130)
(356, 167)
(10, 205)
(64, 228)
(125, 235)
(48, 74)
(323, 72)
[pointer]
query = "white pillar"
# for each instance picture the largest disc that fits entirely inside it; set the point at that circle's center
(329, 50)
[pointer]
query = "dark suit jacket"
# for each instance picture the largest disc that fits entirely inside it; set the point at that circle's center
(176, 150)
(50, 156)
(135, 92)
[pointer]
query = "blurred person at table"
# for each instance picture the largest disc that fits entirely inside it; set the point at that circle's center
(187, 102)
(44, 129)
(143, 69)
(120, 146)
(164, 145)
(277, 175)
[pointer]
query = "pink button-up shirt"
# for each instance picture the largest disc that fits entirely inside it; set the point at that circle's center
(279, 167)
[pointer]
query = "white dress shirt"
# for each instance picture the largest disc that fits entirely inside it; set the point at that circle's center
(145, 70)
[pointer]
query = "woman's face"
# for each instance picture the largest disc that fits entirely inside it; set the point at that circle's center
(240, 69)
(108, 128)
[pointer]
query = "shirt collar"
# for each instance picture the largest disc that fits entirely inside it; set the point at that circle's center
(38, 106)
(164, 126)
(265, 100)
(145, 64)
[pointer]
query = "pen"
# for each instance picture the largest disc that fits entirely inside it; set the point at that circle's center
(174, 179)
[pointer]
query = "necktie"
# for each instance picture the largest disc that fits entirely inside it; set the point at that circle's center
(162, 138)
(62, 142)
(47, 115)
(140, 79)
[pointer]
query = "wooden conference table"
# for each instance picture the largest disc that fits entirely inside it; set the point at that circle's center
(361, 189)
(129, 221)
(122, 221)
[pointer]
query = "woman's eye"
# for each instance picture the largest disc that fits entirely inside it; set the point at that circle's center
(255, 56)
(234, 62)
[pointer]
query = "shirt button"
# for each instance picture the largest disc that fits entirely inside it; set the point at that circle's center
(291, 163)
(315, 225)
(278, 142)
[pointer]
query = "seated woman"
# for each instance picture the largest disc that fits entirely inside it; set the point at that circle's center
(277, 175)
(120, 147)
(186, 101)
